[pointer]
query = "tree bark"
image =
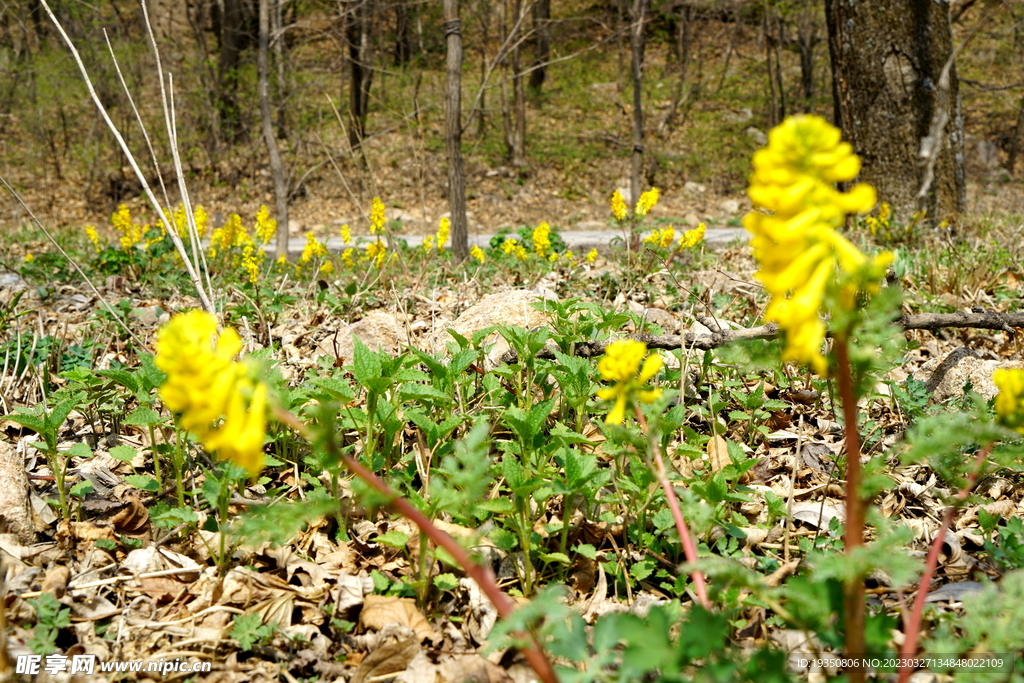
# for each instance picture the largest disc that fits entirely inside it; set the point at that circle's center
(887, 62)
(360, 71)
(541, 43)
(453, 131)
(636, 43)
(231, 35)
(266, 114)
(517, 143)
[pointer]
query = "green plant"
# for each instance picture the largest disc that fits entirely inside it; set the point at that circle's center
(51, 617)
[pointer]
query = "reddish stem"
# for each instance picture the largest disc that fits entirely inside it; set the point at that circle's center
(689, 549)
(912, 629)
(853, 538)
(483, 576)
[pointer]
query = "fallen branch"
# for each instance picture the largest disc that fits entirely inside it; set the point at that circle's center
(986, 320)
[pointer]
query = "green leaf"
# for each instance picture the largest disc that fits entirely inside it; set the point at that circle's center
(143, 416)
(560, 558)
(642, 569)
(144, 483)
(122, 377)
(123, 453)
(446, 582)
(586, 550)
(80, 450)
(82, 489)
(366, 364)
(393, 538)
(61, 411)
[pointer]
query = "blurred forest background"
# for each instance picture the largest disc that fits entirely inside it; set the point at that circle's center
(357, 103)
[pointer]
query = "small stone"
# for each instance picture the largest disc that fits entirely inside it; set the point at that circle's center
(294, 228)
(757, 136)
(731, 206)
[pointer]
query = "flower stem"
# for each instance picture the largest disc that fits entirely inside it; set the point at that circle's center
(912, 628)
(689, 549)
(853, 593)
(483, 576)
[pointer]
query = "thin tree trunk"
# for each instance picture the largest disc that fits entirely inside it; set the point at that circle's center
(227, 71)
(637, 49)
(518, 146)
(276, 167)
(1015, 143)
(453, 131)
(684, 42)
(773, 106)
(278, 45)
(542, 43)
(361, 74)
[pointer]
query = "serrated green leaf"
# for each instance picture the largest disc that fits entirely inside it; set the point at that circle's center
(144, 483)
(123, 453)
(143, 416)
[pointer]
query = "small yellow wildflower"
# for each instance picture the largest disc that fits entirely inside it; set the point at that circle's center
(444, 226)
(620, 364)
(346, 234)
(591, 255)
(202, 220)
(569, 256)
(692, 238)
(94, 237)
(542, 239)
(231, 234)
(1009, 402)
(376, 216)
(428, 243)
(797, 245)
(29, 258)
(478, 253)
(266, 227)
(131, 233)
(661, 238)
(252, 256)
(326, 268)
(553, 256)
(314, 248)
(619, 208)
(647, 201)
(346, 257)
(509, 245)
(282, 260)
(205, 384)
(376, 252)
(520, 252)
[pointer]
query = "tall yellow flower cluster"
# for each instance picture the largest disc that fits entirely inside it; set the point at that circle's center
(215, 395)
(542, 239)
(797, 212)
(661, 238)
(444, 227)
(314, 248)
(619, 208)
(132, 233)
(266, 227)
(376, 216)
(376, 252)
(478, 253)
(1009, 402)
(94, 237)
(692, 238)
(231, 234)
(647, 201)
(620, 364)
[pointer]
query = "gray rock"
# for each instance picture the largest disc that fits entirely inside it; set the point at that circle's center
(946, 378)
(757, 135)
(512, 307)
(379, 331)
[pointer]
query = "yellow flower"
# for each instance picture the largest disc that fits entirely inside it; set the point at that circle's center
(428, 243)
(443, 228)
(509, 245)
(252, 256)
(661, 238)
(202, 219)
(478, 253)
(314, 249)
(376, 252)
(208, 388)
(569, 256)
(346, 257)
(542, 239)
(131, 233)
(620, 364)
(796, 245)
(520, 252)
(266, 226)
(553, 256)
(346, 234)
(376, 216)
(1009, 402)
(619, 208)
(29, 258)
(326, 268)
(647, 202)
(231, 234)
(693, 237)
(591, 255)
(93, 236)
(282, 260)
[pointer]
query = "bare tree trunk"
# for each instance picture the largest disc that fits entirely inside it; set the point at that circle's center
(1015, 143)
(360, 71)
(636, 34)
(517, 146)
(542, 43)
(774, 110)
(453, 130)
(807, 40)
(227, 67)
(888, 58)
(484, 24)
(403, 33)
(276, 167)
(684, 42)
(278, 45)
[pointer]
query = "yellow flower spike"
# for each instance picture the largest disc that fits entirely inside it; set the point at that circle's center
(376, 216)
(346, 234)
(542, 239)
(346, 257)
(509, 245)
(94, 237)
(692, 238)
(647, 201)
(668, 236)
(326, 268)
(1009, 403)
(29, 258)
(428, 243)
(444, 227)
(239, 439)
(478, 253)
(266, 227)
(620, 364)
(619, 208)
(591, 255)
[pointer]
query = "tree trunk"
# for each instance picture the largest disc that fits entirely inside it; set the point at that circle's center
(227, 67)
(636, 44)
(403, 33)
(276, 167)
(360, 71)
(517, 145)
(541, 44)
(807, 41)
(684, 43)
(887, 64)
(453, 131)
